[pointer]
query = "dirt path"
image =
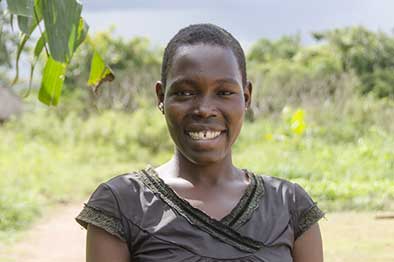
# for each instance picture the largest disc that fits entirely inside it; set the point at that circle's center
(358, 237)
(57, 238)
(347, 237)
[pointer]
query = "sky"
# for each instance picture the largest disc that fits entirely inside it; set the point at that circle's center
(248, 20)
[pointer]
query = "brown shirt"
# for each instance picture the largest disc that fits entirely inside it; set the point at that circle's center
(158, 225)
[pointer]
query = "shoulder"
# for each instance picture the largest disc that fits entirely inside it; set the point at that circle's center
(280, 189)
(105, 208)
(129, 190)
(282, 194)
(284, 190)
(121, 197)
(127, 183)
(276, 183)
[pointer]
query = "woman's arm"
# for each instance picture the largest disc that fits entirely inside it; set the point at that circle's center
(308, 247)
(101, 246)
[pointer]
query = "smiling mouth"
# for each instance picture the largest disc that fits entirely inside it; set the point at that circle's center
(203, 135)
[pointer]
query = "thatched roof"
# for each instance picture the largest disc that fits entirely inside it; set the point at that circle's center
(10, 104)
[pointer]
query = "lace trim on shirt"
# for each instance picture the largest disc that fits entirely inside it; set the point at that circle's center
(247, 205)
(308, 218)
(198, 218)
(90, 215)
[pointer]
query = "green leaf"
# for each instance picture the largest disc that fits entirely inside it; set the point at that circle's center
(27, 24)
(21, 7)
(99, 72)
(62, 19)
(52, 82)
(83, 29)
(39, 46)
(37, 51)
(21, 45)
(37, 10)
(24, 23)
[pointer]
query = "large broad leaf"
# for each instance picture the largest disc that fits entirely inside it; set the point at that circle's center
(61, 18)
(52, 82)
(21, 7)
(99, 72)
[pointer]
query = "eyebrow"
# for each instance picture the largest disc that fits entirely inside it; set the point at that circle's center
(194, 83)
(184, 81)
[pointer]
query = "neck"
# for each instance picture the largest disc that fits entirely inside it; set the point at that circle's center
(209, 174)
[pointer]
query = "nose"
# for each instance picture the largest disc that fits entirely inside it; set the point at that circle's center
(204, 107)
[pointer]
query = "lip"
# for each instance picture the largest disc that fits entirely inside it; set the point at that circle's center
(204, 128)
(208, 144)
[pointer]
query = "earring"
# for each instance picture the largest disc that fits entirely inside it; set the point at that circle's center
(161, 107)
(246, 109)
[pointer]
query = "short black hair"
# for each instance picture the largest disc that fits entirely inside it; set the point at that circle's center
(202, 34)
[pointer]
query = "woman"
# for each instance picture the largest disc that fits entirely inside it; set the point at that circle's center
(198, 206)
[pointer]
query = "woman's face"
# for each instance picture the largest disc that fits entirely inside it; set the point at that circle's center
(204, 102)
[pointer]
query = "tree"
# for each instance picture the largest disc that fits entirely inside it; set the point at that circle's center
(62, 30)
(368, 54)
(266, 50)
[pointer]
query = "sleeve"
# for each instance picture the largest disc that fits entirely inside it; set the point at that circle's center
(102, 210)
(305, 211)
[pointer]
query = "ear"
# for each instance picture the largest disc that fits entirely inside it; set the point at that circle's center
(159, 92)
(248, 94)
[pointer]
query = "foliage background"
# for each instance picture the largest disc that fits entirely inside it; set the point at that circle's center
(322, 116)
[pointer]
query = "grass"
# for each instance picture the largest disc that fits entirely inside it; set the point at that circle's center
(46, 159)
(342, 175)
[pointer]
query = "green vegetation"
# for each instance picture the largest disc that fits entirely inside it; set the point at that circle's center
(46, 160)
(62, 30)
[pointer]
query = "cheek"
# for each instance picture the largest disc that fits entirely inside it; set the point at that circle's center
(237, 118)
(173, 115)
(238, 124)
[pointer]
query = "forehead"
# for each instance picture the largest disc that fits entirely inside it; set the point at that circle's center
(205, 61)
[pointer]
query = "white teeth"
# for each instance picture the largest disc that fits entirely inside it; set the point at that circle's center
(204, 135)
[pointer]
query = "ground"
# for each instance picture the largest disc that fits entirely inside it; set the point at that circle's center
(56, 237)
(358, 237)
(347, 237)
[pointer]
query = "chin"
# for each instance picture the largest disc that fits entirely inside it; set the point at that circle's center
(205, 158)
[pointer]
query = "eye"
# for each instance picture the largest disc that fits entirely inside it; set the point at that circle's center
(225, 93)
(183, 93)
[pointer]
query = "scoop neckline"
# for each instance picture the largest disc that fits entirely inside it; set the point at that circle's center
(226, 229)
(238, 215)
